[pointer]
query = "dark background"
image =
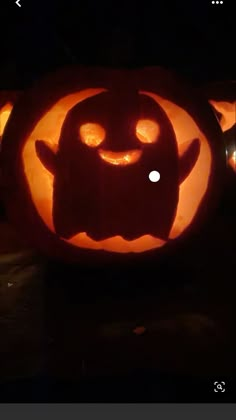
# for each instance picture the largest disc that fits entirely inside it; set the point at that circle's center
(193, 37)
(60, 322)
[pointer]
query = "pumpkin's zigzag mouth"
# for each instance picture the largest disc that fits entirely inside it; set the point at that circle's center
(118, 243)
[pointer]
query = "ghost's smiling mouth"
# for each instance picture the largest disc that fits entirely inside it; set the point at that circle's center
(125, 158)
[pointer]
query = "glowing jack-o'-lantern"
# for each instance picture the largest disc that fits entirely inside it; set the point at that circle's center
(7, 100)
(222, 97)
(5, 112)
(86, 144)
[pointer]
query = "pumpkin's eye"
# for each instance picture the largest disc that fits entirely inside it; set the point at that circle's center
(92, 134)
(147, 131)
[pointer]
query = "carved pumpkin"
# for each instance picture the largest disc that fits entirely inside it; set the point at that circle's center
(7, 100)
(110, 162)
(222, 97)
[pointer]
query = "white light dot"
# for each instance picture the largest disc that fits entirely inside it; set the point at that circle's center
(217, 2)
(154, 176)
(213, 2)
(221, 2)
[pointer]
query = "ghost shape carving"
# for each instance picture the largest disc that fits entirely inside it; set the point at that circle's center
(108, 145)
(77, 156)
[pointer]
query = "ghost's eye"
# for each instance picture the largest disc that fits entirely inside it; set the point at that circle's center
(147, 131)
(92, 134)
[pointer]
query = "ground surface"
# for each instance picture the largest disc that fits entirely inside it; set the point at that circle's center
(158, 333)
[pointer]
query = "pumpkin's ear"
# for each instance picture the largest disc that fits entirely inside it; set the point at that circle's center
(188, 159)
(46, 155)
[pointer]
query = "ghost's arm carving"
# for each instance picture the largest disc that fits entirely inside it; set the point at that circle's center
(46, 156)
(188, 159)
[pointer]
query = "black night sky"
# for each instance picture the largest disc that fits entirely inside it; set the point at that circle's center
(195, 38)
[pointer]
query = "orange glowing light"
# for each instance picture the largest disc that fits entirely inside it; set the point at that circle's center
(120, 158)
(92, 134)
(228, 112)
(147, 131)
(191, 193)
(5, 113)
(193, 189)
(232, 161)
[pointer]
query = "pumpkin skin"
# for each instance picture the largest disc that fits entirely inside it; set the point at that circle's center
(53, 166)
(222, 97)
